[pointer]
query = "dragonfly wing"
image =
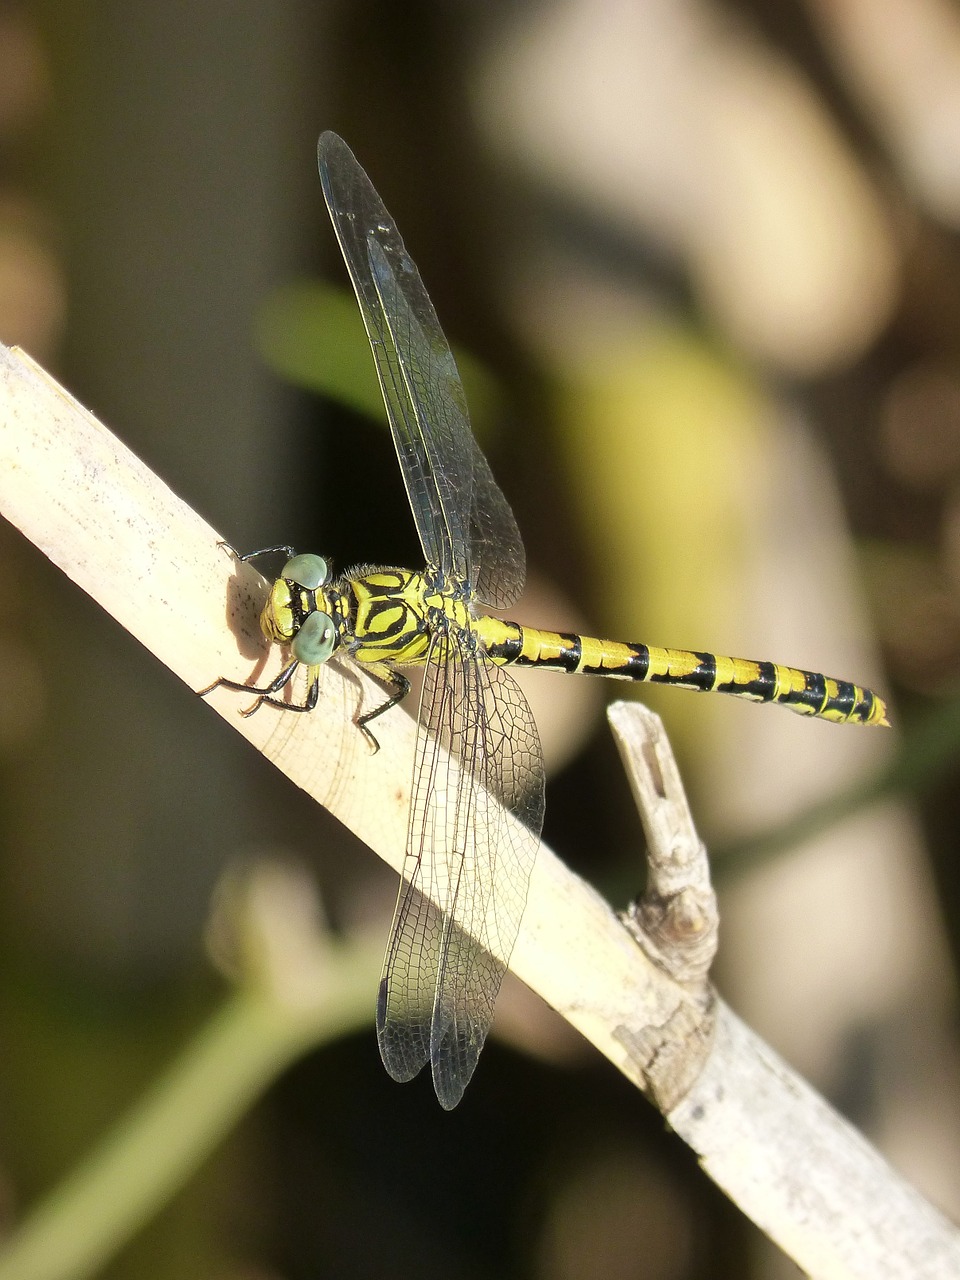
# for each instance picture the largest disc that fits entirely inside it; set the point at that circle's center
(501, 758)
(465, 524)
(478, 771)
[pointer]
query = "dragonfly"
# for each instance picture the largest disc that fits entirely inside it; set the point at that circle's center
(477, 799)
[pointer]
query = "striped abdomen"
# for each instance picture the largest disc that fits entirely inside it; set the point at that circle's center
(806, 692)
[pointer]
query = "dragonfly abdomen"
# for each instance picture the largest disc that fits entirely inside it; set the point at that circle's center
(806, 692)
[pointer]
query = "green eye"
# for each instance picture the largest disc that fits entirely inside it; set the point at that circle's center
(317, 638)
(307, 571)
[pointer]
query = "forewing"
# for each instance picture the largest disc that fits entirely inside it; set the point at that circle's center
(478, 769)
(464, 522)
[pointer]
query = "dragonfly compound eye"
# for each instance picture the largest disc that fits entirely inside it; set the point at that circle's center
(307, 571)
(317, 638)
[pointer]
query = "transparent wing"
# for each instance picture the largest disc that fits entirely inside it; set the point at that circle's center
(478, 756)
(478, 762)
(465, 524)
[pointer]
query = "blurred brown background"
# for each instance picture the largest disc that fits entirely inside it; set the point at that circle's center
(707, 258)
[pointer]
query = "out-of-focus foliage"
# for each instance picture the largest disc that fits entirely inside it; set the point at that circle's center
(312, 335)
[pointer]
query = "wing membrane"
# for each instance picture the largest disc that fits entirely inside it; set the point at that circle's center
(478, 763)
(464, 522)
(478, 766)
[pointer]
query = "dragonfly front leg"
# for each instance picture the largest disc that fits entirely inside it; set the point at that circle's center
(267, 693)
(288, 552)
(401, 687)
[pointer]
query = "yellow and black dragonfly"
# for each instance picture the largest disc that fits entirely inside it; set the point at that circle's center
(476, 808)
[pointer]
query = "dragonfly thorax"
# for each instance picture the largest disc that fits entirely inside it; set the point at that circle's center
(388, 615)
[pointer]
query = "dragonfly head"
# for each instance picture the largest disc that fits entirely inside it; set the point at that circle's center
(296, 611)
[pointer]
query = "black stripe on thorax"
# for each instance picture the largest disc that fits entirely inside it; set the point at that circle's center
(342, 604)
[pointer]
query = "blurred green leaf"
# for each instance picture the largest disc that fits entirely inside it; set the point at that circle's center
(311, 334)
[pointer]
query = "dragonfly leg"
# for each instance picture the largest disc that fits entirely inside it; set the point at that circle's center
(288, 551)
(401, 687)
(266, 692)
